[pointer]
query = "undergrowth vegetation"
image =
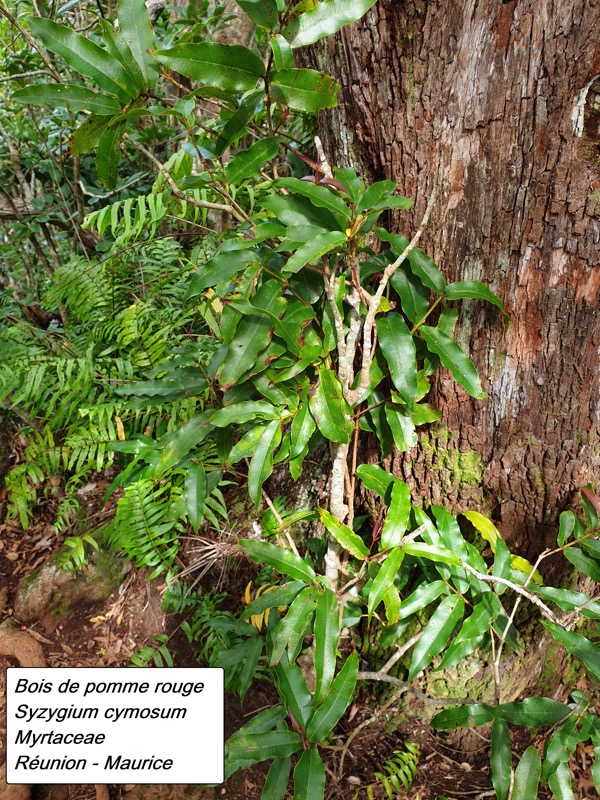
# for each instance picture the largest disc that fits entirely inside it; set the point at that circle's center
(228, 307)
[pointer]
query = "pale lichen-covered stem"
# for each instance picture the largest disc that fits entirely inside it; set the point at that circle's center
(337, 507)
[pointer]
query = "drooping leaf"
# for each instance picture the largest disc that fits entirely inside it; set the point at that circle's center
(195, 494)
(293, 691)
(420, 263)
(569, 600)
(384, 579)
(135, 27)
(414, 295)
(283, 55)
(237, 124)
(398, 513)
(398, 347)
(256, 747)
(330, 410)
(261, 465)
(433, 552)
(471, 633)
(472, 289)
(75, 98)
(109, 154)
(293, 624)
(319, 196)
(283, 561)
(349, 540)
(280, 596)
(84, 56)
(328, 714)
(191, 434)
(501, 758)
(309, 776)
(463, 716)
(454, 359)
(311, 252)
(402, 426)
(86, 136)
(588, 565)
(277, 780)
(533, 712)
(243, 412)
(377, 479)
(566, 527)
(231, 67)
(304, 89)
(324, 20)
(263, 13)
(326, 640)
(527, 776)
(292, 210)
(560, 783)
(577, 645)
(248, 162)
(436, 634)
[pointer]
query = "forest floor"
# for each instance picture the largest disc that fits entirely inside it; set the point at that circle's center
(107, 633)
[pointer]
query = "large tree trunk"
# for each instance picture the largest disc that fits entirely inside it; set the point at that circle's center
(490, 98)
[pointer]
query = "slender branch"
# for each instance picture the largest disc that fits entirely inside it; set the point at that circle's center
(55, 73)
(439, 701)
(31, 74)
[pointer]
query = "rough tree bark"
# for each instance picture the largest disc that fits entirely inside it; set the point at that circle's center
(492, 98)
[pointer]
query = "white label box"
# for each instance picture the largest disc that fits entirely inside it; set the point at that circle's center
(114, 725)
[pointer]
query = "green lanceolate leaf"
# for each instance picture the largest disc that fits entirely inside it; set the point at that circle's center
(248, 163)
(397, 517)
(134, 24)
(261, 465)
(398, 347)
(568, 600)
(109, 154)
(471, 634)
(463, 717)
(453, 358)
(501, 759)
(436, 634)
(86, 137)
(84, 57)
(283, 561)
(384, 579)
(237, 125)
(327, 637)
(474, 290)
(324, 20)
(420, 263)
(294, 624)
(263, 13)
(533, 712)
(377, 479)
(195, 494)
(577, 645)
(560, 783)
(252, 337)
(293, 691)
(119, 49)
(186, 438)
(343, 535)
(303, 427)
(431, 551)
(309, 776)
(414, 296)
(330, 410)
(527, 776)
(258, 747)
(231, 67)
(402, 426)
(75, 98)
(277, 780)
(281, 596)
(566, 527)
(319, 196)
(312, 251)
(283, 55)
(219, 269)
(304, 89)
(328, 714)
(421, 597)
(588, 565)
(243, 412)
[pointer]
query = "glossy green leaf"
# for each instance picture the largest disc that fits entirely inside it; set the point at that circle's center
(560, 783)
(433, 552)
(467, 716)
(588, 565)
(252, 337)
(414, 296)
(263, 721)
(303, 427)
(577, 645)
(377, 479)
(108, 155)
(87, 135)
(293, 691)
(277, 780)
(566, 527)
(304, 89)
(84, 56)
(193, 432)
(398, 513)
(471, 633)
(262, 12)
(311, 252)
(398, 347)
(561, 747)
(384, 579)
(527, 776)
(247, 163)
(326, 640)
(533, 712)
(309, 776)
(283, 55)
(231, 67)
(421, 597)
(375, 194)
(281, 596)
(473, 290)
(436, 634)
(258, 747)
(324, 20)
(75, 98)
(243, 412)
(420, 263)
(501, 759)
(246, 447)
(319, 196)
(392, 602)
(454, 359)
(195, 494)
(330, 410)
(293, 625)
(401, 425)
(135, 27)
(261, 465)
(569, 600)
(283, 561)
(344, 535)
(328, 714)
(293, 209)
(218, 269)
(237, 124)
